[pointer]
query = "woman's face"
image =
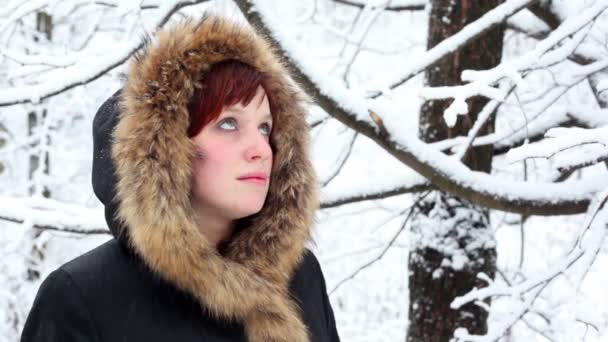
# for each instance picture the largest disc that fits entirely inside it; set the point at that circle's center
(231, 173)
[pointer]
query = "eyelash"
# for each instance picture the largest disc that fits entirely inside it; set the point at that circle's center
(233, 122)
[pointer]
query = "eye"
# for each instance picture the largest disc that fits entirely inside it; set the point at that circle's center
(228, 124)
(266, 128)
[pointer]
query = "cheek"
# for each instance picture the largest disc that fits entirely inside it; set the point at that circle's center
(215, 163)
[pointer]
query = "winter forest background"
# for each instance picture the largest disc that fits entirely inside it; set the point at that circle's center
(461, 147)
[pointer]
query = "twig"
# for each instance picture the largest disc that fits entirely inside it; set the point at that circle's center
(342, 162)
(417, 5)
(386, 248)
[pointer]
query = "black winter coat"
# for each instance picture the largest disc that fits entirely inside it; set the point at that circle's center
(109, 295)
(159, 279)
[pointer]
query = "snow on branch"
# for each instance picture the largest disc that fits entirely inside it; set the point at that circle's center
(492, 18)
(79, 70)
(529, 24)
(486, 112)
(41, 59)
(447, 174)
(482, 81)
(539, 120)
(578, 147)
(42, 213)
(19, 11)
(541, 57)
(581, 256)
(396, 6)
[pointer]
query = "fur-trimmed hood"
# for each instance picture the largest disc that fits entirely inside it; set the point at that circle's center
(142, 174)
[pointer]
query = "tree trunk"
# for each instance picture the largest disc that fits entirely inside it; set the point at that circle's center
(451, 239)
(44, 24)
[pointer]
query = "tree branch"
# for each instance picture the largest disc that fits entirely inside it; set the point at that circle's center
(444, 173)
(489, 20)
(88, 71)
(335, 173)
(410, 211)
(47, 214)
(63, 229)
(543, 12)
(327, 203)
(415, 5)
(534, 136)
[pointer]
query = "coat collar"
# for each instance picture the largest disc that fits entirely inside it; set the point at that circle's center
(151, 156)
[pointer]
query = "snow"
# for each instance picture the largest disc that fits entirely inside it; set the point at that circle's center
(41, 211)
(448, 45)
(528, 22)
(501, 190)
(583, 255)
(539, 56)
(550, 284)
(492, 186)
(446, 233)
(582, 145)
(83, 68)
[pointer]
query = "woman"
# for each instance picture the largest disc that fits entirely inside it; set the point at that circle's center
(201, 161)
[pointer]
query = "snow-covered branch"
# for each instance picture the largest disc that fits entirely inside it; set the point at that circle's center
(484, 115)
(482, 81)
(527, 23)
(447, 174)
(492, 18)
(42, 213)
(397, 6)
(583, 254)
(540, 57)
(558, 140)
(540, 119)
(83, 70)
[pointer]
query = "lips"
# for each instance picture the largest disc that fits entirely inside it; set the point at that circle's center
(258, 177)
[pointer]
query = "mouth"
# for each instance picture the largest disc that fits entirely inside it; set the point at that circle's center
(254, 180)
(254, 177)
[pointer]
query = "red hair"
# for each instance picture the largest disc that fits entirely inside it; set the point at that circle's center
(225, 84)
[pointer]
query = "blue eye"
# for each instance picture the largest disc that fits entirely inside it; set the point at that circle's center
(265, 128)
(228, 124)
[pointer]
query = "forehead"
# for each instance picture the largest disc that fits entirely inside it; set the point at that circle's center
(260, 106)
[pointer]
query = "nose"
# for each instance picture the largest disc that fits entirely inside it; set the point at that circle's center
(258, 147)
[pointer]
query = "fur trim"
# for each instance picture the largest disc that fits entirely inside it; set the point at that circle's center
(153, 158)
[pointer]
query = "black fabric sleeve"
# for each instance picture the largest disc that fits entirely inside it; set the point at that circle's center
(59, 313)
(329, 312)
(331, 322)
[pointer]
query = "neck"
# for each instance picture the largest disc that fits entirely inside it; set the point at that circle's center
(215, 228)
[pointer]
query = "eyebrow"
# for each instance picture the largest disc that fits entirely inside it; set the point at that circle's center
(240, 111)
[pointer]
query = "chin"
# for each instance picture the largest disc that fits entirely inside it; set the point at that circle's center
(248, 210)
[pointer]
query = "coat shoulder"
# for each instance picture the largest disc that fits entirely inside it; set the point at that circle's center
(59, 312)
(104, 261)
(308, 265)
